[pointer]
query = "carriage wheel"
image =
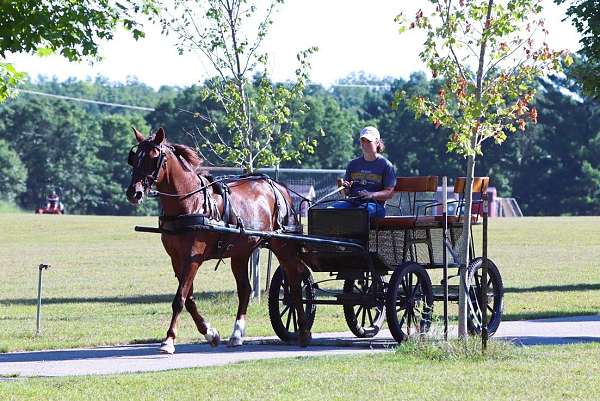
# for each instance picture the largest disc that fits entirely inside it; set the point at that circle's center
(283, 315)
(495, 297)
(409, 301)
(365, 321)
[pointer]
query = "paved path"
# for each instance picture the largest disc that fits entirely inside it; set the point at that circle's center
(144, 357)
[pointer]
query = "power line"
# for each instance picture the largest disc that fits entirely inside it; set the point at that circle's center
(127, 106)
(78, 99)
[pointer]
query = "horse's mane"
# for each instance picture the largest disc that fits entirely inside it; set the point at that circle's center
(188, 154)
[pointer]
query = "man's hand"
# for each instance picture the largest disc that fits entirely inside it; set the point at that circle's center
(365, 195)
(346, 184)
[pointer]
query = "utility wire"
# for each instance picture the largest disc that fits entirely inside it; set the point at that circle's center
(77, 99)
(127, 106)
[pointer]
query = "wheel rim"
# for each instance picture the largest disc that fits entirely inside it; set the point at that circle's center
(412, 304)
(287, 313)
(494, 299)
(283, 316)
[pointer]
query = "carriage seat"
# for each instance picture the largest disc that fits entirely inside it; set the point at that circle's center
(417, 198)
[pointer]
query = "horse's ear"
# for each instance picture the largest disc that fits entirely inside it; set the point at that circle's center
(159, 137)
(138, 135)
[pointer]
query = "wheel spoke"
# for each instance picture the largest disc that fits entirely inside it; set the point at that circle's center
(287, 308)
(405, 285)
(294, 319)
(289, 318)
(477, 280)
(415, 288)
(371, 321)
(364, 317)
(403, 318)
(358, 310)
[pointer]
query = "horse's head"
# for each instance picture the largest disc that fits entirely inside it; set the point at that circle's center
(147, 159)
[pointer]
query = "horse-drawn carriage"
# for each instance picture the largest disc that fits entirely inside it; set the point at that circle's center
(384, 265)
(383, 268)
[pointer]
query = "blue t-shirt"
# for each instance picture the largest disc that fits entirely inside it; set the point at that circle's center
(370, 176)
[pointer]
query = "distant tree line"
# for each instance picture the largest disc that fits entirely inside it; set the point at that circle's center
(552, 168)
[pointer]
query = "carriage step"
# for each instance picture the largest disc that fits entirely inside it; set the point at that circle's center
(438, 292)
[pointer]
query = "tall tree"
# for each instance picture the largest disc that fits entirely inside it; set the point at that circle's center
(14, 173)
(585, 15)
(258, 115)
(487, 56)
(73, 29)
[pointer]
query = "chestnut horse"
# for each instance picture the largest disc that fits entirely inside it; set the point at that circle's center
(255, 203)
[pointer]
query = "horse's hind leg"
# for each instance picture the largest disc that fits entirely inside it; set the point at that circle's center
(239, 267)
(295, 283)
(287, 255)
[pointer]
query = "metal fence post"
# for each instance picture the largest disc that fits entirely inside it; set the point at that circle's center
(484, 276)
(41, 267)
(445, 251)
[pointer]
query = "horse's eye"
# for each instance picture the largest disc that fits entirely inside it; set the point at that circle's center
(131, 159)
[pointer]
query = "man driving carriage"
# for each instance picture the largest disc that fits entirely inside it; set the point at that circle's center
(370, 179)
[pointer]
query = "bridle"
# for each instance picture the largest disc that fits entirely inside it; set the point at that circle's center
(136, 158)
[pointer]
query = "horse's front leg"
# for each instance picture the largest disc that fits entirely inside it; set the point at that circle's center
(184, 297)
(239, 267)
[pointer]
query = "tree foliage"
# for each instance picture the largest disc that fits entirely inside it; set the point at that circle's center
(585, 15)
(14, 174)
(73, 29)
(551, 169)
(257, 117)
(487, 56)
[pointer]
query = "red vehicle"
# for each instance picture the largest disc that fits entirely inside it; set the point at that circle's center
(53, 205)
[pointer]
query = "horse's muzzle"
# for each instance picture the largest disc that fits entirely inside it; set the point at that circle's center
(135, 195)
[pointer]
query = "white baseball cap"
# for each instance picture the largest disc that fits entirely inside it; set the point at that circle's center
(370, 133)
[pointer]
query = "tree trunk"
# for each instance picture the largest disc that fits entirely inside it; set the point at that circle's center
(464, 251)
(466, 234)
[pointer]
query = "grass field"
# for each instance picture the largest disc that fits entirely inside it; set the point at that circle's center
(111, 285)
(413, 372)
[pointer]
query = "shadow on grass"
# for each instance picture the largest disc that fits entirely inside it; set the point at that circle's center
(554, 288)
(138, 299)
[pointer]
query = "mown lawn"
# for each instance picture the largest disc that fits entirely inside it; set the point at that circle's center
(411, 373)
(111, 285)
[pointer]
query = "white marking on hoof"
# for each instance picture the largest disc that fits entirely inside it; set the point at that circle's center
(212, 336)
(239, 331)
(168, 346)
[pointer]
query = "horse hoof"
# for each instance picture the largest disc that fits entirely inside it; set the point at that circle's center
(212, 337)
(304, 338)
(167, 347)
(235, 342)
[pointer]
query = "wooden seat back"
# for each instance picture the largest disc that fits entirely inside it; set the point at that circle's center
(426, 183)
(412, 190)
(480, 186)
